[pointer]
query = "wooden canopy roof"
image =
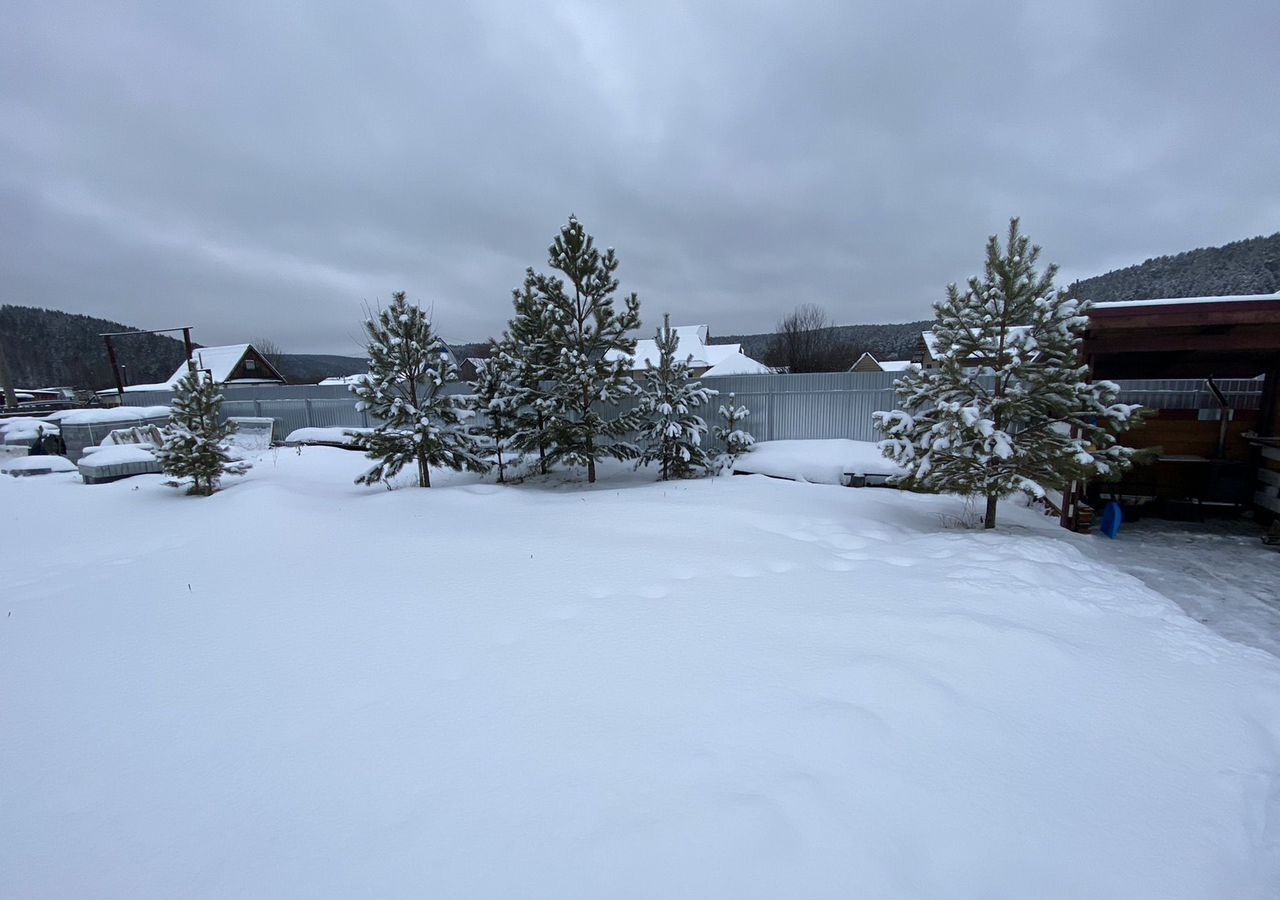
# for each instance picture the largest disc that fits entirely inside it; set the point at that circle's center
(1227, 337)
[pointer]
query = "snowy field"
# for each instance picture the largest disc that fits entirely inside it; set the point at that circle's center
(738, 687)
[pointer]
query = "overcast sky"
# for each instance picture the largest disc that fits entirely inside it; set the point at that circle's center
(262, 168)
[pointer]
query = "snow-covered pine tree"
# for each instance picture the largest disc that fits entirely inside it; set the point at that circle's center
(1034, 422)
(194, 445)
(583, 329)
(493, 397)
(418, 423)
(526, 348)
(736, 439)
(672, 434)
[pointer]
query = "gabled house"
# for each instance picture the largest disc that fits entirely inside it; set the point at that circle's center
(232, 365)
(868, 363)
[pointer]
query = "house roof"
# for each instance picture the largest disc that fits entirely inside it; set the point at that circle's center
(1184, 301)
(737, 364)
(691, 341)
(220, 362)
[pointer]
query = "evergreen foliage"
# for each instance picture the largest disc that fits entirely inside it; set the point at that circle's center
(736, 439)
(195, 440)
(672, 436)
(588, 351)
(418, 422)
(494, 399)
(527, 352)
(1034, 423)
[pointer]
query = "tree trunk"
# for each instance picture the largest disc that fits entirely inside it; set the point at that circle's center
(990, 520)
(424, 472)
(542, 444)
(591, 471)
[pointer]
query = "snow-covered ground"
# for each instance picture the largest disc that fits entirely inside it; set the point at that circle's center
(733, 687)
(1219, 572)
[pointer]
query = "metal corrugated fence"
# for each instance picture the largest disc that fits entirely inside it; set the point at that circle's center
(819, 405)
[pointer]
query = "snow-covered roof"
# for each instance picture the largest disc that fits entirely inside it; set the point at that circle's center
(691, 341)
(884, 365)
(737, 364)
(358, 378)
(930, 342)
(1180, 301)
(220, 362)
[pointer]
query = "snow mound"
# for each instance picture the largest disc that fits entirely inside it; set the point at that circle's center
(24, 429)
(343, 436)
(821, 462)
(36, 465)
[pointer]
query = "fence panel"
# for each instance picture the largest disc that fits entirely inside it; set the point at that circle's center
(783, 407)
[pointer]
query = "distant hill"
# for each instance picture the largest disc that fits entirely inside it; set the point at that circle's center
(308, 368)
(1250, 266)
(49, 348)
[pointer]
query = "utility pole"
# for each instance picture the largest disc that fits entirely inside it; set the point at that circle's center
(6, 381)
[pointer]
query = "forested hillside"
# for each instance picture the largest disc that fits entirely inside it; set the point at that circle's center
(47, 347)
(1242, 267)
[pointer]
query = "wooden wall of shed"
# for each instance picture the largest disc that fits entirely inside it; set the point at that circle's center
(1178, 432)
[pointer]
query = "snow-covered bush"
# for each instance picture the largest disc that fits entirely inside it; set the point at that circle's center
(1010, 407)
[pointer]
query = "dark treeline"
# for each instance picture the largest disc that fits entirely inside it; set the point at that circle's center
(842, 344)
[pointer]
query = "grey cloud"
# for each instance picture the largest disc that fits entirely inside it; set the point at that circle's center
(260, 171)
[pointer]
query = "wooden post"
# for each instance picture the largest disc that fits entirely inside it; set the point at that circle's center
(1267, 409)
(115, 368)
(6, 381)
(186, 343)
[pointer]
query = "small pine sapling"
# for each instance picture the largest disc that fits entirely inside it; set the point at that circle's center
(528, 392)
(672, 435)
(493, 398)
(732, 435)
(1010, 407)
(418, 423)
(195, 440)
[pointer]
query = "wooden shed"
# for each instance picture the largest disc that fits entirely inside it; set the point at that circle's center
(1227, 450)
